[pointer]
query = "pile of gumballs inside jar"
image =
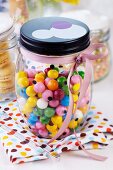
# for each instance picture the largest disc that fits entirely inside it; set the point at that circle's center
(45, 99)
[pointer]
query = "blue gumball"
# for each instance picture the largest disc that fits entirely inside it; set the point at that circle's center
(65, 101)
(23, 93)
(32, 119)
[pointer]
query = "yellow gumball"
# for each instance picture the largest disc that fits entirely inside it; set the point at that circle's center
(51, 129)
(23, 82)
(57, 120)
(27, 109)
(32, 101)
(76, 87)
(72, 124)
(53, 74)
(54, 133)
(30, 91)
(21, 74)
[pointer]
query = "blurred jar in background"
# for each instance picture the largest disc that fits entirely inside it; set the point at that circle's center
(100, 32)
(8, 55)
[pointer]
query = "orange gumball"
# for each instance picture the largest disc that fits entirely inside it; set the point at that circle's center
(39, 77)
(52, 85)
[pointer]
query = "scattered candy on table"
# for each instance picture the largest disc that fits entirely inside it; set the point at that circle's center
(45, 99)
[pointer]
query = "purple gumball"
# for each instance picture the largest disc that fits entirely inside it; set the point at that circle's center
(59, 94)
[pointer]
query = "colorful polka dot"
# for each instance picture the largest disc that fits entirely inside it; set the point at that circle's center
(24, 154)
(9, 143)
(5, 137)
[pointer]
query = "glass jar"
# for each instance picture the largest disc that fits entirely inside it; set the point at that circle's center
(100, 33)
(8, 54)
(50, 75)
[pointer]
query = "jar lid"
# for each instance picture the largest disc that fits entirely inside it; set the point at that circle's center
(94, 21)
(6, 25)
(54, 36)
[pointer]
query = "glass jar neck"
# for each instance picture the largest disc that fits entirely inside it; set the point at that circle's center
(8, 42)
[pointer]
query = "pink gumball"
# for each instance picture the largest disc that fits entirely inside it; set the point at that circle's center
(54, 103)
(47, 95)
(47, 80)
(59, 94)
(75, 79)
(33, 129)
(30, 73)
(39, 125)
(43, 133)
(39, 87)
(83, 102)
(61, 110)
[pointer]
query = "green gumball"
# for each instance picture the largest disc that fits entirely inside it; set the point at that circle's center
(49, 112)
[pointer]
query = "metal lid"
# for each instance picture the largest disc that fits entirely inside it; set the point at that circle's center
(54, 36)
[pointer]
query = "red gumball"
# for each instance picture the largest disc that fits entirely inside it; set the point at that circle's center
(58, 94)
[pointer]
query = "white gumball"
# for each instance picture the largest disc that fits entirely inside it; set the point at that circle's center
(79, 116)
(42, 104)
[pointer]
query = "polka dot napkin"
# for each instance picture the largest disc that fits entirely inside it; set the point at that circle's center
(22, 146)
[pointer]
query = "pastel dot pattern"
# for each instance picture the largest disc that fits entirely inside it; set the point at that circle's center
(21, 145)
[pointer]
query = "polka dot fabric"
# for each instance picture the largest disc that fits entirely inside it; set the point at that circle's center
(22, 146)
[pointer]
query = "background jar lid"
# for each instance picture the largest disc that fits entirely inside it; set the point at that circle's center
(6, 25)
(54, 36)
(94, 21)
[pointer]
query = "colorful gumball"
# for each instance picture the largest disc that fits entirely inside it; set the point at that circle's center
(53, 74)
(46, 81)
(51, 129)
(23, 93)
(65, 89)
(61, 110)
(32, 101)
(38, 112)
(75, 79)
(73, 124)
(57, 120)
(81, 73)
(40, 77)
(30, 73)
(64, 74)
(32, 119)
(42, 104)
(44, 120)
(53, 103)
(21, 74)
(52, 85)
(23, 82)
(58, 94)
(47, 95)
(43, 133)
(62, 81)
(75, 97)
(30, 91)
(49, 112)
(39, 87)
(39, 125)
(65, 101)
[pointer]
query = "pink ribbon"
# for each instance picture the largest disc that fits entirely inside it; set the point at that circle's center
(86, 56)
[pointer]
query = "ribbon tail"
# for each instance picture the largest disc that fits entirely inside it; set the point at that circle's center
(87, 80)
(90, 155)
(70, 110)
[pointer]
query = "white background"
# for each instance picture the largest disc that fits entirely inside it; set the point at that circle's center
(102, 97)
